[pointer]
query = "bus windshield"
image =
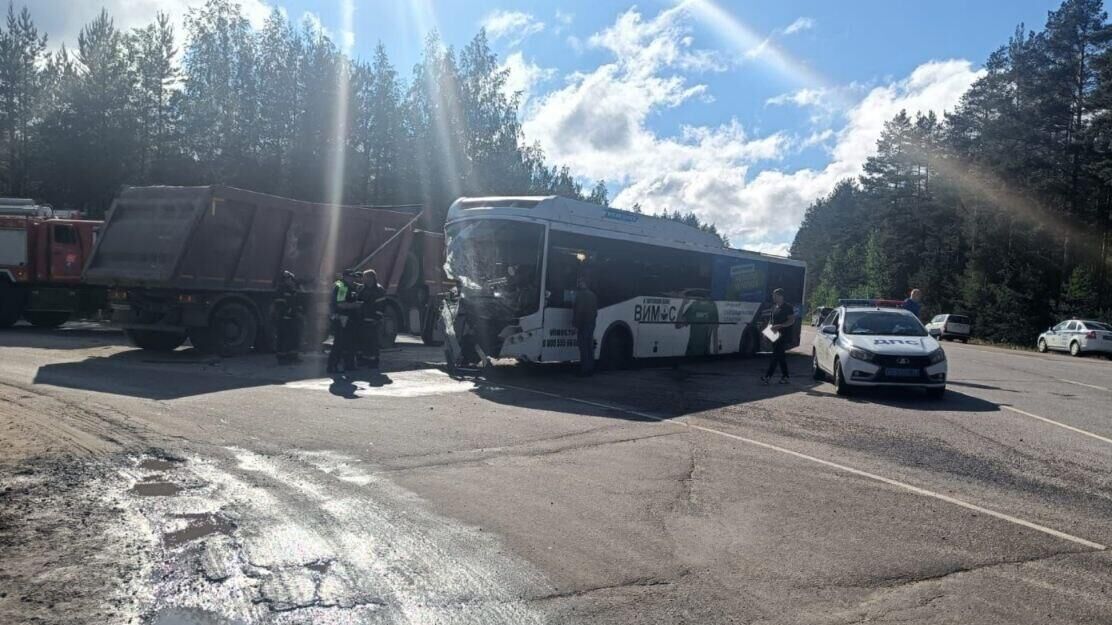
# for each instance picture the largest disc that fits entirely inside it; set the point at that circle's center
(498, 260)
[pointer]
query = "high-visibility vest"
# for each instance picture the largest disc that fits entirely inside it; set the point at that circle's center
(341, 291)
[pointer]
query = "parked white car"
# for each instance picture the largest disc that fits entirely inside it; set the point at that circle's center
(870, 346)
(948, 326)
(1078, 336)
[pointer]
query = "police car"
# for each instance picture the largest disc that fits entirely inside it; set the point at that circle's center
(875, 344)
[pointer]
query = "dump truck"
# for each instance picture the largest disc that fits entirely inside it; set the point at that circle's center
(203, 264)
(41, 257)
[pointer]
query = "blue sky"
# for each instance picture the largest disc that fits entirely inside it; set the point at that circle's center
(743, 112)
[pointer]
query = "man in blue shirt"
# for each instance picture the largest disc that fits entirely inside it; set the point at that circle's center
(912, 302)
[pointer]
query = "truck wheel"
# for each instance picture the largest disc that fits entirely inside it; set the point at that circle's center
(433, 333)
(388, 327)
(12, 299)
(46, 319)
(155, 340)
(232, 331)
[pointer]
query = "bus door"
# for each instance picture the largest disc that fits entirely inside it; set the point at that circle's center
(566, 262)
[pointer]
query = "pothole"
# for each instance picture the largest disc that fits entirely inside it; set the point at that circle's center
(155, 489)
(198, 526)
(189, 616)
(320, 566)
(158, 464)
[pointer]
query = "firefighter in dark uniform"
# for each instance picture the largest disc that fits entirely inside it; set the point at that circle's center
(288, 317)
(343, 308)
(370, 301)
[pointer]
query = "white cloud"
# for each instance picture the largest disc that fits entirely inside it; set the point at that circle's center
(802, 97)
(514, 26)
(523, 76)
(62, 20)
(598, 125)
(799, 25)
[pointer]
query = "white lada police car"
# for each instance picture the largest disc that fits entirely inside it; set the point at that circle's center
(869, 345)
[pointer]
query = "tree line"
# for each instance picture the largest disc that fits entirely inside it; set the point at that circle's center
(279, 110)
(999, 209)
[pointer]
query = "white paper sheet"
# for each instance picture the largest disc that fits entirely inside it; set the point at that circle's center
(770, 334)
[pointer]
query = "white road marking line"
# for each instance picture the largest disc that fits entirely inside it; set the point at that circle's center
(585, 402)
(1099, 388)
(908, 487)
(858, 472)
(1061, 425)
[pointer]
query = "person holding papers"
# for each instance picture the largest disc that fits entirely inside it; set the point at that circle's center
(783, 317)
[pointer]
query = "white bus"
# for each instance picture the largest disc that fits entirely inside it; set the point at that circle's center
(665, 289)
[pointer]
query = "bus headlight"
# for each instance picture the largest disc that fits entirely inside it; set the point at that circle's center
(861, 354)
(937, 356)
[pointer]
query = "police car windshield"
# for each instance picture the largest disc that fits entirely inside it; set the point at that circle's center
(882, 323)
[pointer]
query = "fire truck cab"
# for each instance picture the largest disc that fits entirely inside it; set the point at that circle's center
(41, 258)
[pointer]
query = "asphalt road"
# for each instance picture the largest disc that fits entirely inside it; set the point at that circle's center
(178, 489)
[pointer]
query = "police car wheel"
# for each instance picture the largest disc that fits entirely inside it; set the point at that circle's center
(816, 371)
(840, 385)
(1075, 349)
(1042, 346)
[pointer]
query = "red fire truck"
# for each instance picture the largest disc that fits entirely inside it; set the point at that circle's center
(41, 257)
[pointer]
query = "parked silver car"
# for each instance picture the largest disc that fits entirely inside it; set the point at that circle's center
(1078, 336)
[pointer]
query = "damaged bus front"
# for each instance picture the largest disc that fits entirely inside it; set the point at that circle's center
(496, 264)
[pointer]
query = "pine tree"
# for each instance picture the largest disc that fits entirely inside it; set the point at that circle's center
(21, 54)
(153, 53)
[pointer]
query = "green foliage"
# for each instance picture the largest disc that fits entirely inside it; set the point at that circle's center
(1002, 209)
(280, 109)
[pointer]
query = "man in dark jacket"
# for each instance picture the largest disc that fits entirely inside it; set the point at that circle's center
(783, 320)
(583, 317)
(370, 301)
(343, 307)
(288, 316)
(913, 302)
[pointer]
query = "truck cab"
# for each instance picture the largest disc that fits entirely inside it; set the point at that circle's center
(41, 259)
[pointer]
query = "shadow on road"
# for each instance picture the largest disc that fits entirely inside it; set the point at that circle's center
(75, 335)
(916, 399)
(656, 389)
(188, 372)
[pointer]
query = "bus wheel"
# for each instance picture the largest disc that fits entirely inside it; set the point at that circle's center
(617, 349)
(748, 346)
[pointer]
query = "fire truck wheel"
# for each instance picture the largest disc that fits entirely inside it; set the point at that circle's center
(46, 319)
(155, 340)
(12, 299)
